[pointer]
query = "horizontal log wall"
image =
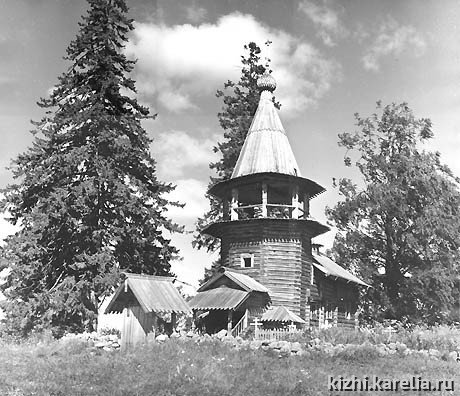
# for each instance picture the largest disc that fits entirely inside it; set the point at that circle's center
(283, 263)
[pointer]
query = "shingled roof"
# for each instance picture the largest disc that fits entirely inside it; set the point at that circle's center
(228, 290)
(266, 148)
(153, 293)
(221, 297)
(244, 281)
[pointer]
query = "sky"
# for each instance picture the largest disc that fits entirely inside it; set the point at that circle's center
(331, 59)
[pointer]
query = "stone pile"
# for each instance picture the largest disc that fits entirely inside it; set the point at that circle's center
(282, 348)
(287, 348)
(107, 342)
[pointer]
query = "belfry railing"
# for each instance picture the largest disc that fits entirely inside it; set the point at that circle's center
(274, 211)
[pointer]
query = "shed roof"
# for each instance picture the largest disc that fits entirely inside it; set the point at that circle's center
(266, 148)
(281, 314)
(221, 297)
(154, 294)
(329, 268)
(244, 281)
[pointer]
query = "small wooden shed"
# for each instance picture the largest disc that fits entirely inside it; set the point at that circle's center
(145, 300)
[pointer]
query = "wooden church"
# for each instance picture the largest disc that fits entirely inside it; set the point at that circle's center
(266, 230)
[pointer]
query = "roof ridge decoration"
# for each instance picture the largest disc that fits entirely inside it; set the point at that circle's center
(266, 148)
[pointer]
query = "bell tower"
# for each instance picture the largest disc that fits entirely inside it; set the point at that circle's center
(266, 228)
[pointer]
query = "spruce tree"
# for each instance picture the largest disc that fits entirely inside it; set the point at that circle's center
(240, 101)
(86, 194)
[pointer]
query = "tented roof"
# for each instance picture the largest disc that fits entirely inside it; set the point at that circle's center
(281, 314)
(329, 268)
(221, 297)
(266, 148)
(153, 293)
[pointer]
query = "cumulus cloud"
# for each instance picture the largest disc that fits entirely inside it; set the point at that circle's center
(178, 152)
(192, 193)
(195, 14)
(392, 39)
(325, 19)
(178, 65)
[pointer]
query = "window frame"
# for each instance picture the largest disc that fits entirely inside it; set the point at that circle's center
(244, 257)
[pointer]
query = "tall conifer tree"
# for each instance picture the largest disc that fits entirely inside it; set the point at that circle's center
(240, 101)
(86, 194)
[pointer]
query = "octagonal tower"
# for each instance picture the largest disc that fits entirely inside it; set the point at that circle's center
(266, 229)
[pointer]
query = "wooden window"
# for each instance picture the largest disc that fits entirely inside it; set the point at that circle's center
(247, 260)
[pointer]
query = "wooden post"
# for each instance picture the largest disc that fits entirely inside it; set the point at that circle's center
(229, 322)
(307, 314)
(193, 320)
(234, 205)
(245, 321)
(173, 321)
(306, 206)
(295, 202)
(321, 320)
(226, 209)
(256, 329)
(336, 316)
(264, 200)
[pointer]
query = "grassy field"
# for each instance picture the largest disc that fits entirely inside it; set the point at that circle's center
(186, 368)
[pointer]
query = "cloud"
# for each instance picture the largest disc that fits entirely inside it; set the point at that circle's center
(325, 19)
(192, 193)
(181, 64)
(195, 14)
(178, 152)
(392, 39)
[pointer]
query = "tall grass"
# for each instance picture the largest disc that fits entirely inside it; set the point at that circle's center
(442, 338)
(186, 368)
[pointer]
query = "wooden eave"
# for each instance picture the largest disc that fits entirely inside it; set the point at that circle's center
(220, 298)
(224, 188)
(219, 229)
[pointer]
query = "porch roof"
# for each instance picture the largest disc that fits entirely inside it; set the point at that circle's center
(221, 297)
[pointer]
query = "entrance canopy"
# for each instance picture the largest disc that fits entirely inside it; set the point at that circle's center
(221, 297)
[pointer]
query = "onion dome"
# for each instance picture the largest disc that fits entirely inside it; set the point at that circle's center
(266, 83)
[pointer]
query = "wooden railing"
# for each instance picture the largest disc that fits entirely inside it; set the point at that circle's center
(273, 334)
(277, 211)
(240, 326)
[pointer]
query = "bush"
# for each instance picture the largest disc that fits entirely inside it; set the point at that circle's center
(364, 353)
(443, 338)
(110, 331)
